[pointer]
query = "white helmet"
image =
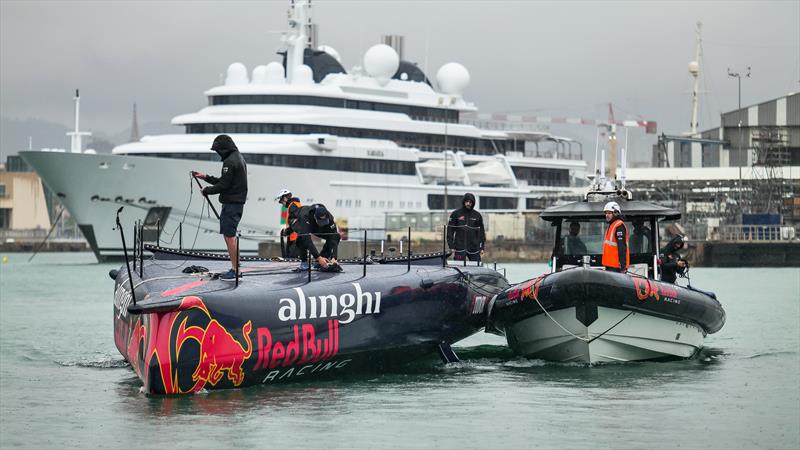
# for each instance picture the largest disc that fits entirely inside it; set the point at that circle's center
(613, 207)
(281, 193)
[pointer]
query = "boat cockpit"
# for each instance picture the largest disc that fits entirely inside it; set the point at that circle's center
(580, 229)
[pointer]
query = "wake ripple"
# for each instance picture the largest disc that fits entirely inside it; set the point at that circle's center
(103, 363)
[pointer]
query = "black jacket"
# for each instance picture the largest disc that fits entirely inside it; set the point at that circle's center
(669, 260)
(232, 183)
(465, 229)
(305, 225)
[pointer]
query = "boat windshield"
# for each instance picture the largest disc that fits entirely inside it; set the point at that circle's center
(585, 238)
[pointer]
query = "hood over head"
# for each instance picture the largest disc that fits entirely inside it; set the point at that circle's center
(470, 197)
(674, 244)
(224, 146)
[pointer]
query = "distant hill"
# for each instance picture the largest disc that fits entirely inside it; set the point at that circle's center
(14, 135)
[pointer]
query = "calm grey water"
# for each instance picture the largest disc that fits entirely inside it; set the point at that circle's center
(63, 383)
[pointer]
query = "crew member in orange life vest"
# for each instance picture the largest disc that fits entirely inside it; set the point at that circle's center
(616, 256)
(302, 227)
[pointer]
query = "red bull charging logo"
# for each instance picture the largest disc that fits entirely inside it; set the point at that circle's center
(220, 352)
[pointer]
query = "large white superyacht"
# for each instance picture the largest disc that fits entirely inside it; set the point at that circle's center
(371, 141)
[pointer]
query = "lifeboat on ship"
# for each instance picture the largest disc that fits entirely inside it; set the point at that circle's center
(185, 330)
(580, 312)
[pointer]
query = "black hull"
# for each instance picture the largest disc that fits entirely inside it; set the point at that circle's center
(189, 332)
(586, 289)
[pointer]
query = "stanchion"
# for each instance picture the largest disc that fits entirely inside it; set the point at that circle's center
(180, 236)
(364, 256)
(444, 248)
(125, 252)
(409, 249)
(135, 243)
(308, 260)
(238, 260)
(141, 249)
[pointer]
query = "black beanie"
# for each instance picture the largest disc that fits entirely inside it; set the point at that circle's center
(223, 142)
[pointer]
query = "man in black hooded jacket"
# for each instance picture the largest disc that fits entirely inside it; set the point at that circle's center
(465, 233)
(232, 189)
(672, 264)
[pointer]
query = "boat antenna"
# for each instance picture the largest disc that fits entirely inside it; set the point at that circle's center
(694, 71)
(76, 145)
(596, 152)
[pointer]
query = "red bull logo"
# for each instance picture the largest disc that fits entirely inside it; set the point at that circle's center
(220, 352)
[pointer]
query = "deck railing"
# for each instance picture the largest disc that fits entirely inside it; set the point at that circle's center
(754, 233)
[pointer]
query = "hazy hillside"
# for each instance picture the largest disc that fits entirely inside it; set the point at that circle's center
(15, 134)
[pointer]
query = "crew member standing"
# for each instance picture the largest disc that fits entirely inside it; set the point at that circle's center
(616, 256)
(232, 189)
(672, 264)
(465, 233)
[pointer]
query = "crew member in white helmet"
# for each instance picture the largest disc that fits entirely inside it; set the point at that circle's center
(616, 256)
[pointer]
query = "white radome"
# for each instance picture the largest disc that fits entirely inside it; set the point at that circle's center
(694, 67)
(453, 78)
(303, 75)
(331, 51)
(274, 73)
(381, 62)
(259, 75)
(237, 75)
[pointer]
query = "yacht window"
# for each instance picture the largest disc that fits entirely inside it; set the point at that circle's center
(497, 202)
(436, 201)
(415, 112)
(348, 203)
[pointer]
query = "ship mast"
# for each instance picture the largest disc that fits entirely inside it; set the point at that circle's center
(297, 37)
(76, 144)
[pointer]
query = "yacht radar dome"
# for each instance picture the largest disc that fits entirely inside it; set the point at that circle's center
(694, 68)
(453, 78)
(331, 51)
(259, 75)
(237, 75)
(303, 75)
(274, 73)
(381, 62)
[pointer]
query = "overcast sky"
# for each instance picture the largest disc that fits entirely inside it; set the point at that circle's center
(559, 58)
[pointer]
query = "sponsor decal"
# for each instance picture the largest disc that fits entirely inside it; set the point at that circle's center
(122, 299)
(528, 290)
(646, 288)
(219, 352)
(478, 303)
(344, 307)
(304, 348)
(307, 369)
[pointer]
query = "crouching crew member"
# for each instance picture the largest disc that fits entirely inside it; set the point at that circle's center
(465, 233)
(232, 189)
(616, 256)
(672, 264)
(308, 220)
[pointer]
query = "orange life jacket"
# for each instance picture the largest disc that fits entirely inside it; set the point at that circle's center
(610, 250)
(293, 236)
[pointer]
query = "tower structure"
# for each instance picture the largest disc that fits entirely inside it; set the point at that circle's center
(134, 127)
